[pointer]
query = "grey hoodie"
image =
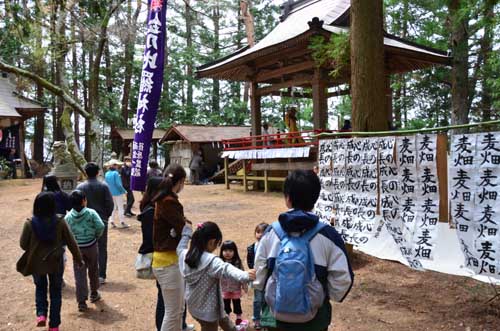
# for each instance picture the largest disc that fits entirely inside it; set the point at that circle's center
(203, 291)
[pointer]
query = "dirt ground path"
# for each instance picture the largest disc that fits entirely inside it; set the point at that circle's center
(386, 295)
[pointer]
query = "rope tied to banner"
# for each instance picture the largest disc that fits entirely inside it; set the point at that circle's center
(405, 132)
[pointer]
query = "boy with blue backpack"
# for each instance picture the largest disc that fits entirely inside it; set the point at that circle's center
(302, 263)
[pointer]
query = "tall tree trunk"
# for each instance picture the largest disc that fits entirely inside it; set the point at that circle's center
(165, 96)
(367, 66)
(88, 127)
(399, 103)
(39, 134)
(190, 50)
(460, 62)
(93, 100)
(128, 58)
(85, 92)
(115, 143)
(246, 14)
(61, 50)
(53, 55)
(74, 72)
(216, 54)
(486, 103)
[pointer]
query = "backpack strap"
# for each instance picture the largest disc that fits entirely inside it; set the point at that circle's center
(314, 231)
(279, 230)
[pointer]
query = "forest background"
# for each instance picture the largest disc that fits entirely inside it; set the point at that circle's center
(93, 50)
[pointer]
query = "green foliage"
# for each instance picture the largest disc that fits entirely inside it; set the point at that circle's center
(422, 97)
(4, 164)
(334, 53)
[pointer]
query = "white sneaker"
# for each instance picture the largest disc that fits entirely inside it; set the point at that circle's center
(102, 280)
(189, 327)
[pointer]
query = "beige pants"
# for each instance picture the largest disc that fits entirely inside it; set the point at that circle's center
(225, 323)
(172, 289)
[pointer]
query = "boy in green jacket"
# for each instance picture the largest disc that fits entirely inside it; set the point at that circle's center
(87, 227)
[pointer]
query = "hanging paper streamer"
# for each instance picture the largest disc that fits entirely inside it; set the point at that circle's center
(412, 216)
(149, 92)
(475, 205)
(357, 220)
(398, 199)
(427, 206)
(338, 177)
(324, 205)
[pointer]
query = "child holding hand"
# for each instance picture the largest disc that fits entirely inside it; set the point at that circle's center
(202, 271)
(258, 296)
(231, 289)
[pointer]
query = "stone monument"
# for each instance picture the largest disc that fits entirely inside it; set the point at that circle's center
(64, 167)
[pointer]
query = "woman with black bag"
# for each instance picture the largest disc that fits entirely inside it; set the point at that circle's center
(42, 240)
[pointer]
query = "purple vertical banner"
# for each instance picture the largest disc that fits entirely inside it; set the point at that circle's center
(149, 92)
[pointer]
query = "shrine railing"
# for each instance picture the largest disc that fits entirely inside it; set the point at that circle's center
(277, 140)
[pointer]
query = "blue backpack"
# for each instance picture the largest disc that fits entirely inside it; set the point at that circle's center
(293, 292)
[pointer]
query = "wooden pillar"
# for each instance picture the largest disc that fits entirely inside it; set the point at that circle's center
(39, 136)
(245, 183)
(255, 111)
(320, 99)
(155, 150)
(266, 180)
(125, 147)
(226, 172)
(22, 156)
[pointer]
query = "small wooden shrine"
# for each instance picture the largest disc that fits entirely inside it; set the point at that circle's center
(15, 109)
(125, 137)
(283, 60)
(184, 140)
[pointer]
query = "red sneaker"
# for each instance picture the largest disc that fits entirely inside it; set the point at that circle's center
(54, 329)
(41, 320)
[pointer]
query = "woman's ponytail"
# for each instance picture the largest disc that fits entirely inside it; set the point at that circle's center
(203, 234)
(173, 174)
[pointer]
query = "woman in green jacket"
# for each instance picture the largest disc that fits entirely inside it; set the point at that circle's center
(43, 238)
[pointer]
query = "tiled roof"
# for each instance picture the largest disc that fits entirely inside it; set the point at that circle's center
(202, 133)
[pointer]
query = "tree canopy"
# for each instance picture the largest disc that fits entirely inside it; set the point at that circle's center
(92, 51)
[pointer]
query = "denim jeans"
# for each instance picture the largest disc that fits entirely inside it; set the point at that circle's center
(258, 298)
(160, 310)
(54, 283)
(102, 244)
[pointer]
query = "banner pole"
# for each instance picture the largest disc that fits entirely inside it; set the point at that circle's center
(149, 92)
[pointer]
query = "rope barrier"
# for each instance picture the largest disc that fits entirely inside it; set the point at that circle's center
(400, 132)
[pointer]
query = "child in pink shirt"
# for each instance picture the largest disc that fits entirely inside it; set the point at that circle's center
(231, 289)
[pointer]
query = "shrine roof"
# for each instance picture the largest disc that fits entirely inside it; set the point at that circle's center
(295, 30)
(13, 105)
(128, 134)
(203, 133)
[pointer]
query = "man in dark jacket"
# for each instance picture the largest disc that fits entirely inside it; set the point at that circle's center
(98, 198)
(125, 173)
